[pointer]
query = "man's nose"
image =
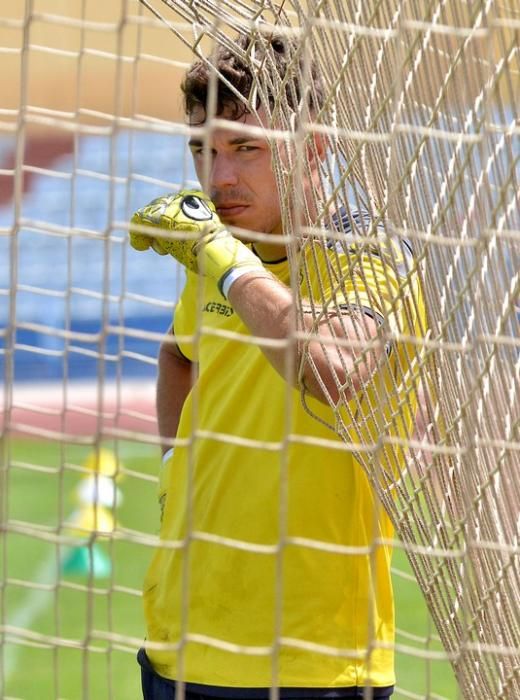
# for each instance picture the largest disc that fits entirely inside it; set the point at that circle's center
(223, 172)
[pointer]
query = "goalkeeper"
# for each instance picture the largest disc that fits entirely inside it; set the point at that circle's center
(275, 563)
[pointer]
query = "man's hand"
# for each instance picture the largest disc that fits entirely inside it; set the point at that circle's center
(210, 249)
(187, 212)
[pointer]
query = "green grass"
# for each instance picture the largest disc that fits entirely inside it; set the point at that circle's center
(80, 665)
(419, 674)
(60, 656)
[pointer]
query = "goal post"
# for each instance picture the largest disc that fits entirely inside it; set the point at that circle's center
(420, 120)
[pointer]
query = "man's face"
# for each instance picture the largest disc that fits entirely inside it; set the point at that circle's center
(238, 174)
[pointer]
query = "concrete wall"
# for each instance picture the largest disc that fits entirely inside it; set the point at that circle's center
(83, 56)
(111, 56)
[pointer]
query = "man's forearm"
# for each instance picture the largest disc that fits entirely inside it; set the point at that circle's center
(334, 357)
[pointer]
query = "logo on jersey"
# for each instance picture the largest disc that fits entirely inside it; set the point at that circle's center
(215, 307)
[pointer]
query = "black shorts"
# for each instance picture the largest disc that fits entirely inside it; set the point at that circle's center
(156, 687)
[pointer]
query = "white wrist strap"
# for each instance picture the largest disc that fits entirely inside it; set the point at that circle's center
(233, 275)
(166, 456)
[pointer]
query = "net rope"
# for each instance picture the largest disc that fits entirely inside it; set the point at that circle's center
(419, 116)
(47, 411)
(420, 112)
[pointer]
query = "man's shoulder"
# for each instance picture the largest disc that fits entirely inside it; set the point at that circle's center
(349, 227)
(353, 221)
(382, 238)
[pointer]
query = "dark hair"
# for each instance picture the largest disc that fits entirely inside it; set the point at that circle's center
(278, 59)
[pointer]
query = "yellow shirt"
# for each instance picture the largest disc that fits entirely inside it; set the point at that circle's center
(273, 569)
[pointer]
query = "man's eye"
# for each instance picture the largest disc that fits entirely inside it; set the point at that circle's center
(246, 149)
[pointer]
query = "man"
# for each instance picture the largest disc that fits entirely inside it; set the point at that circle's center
(274, 569)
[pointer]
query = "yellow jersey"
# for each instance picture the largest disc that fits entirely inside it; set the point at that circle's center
(274, 564)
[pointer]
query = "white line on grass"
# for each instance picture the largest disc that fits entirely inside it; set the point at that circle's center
(31, 606)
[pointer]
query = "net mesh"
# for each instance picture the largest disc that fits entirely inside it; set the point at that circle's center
(419, 116)
(418, 113)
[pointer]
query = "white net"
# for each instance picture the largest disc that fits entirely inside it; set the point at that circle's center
(420, 118)
(418, 111)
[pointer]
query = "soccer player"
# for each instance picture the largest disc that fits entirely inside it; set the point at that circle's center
(274, 564)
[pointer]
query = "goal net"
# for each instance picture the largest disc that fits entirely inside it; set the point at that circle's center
(423, 136)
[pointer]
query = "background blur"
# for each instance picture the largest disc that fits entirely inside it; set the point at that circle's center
(80, 82)
(90, 129)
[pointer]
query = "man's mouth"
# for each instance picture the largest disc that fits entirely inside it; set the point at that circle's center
(230, 209)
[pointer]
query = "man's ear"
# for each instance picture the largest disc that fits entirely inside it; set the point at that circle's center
(316, 148)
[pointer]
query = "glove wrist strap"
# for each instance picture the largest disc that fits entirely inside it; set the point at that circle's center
(166, 456)
(231, 276)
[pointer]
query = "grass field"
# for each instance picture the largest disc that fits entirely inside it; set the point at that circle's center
(80, 636)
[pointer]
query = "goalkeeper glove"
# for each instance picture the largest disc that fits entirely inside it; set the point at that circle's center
(211, 249)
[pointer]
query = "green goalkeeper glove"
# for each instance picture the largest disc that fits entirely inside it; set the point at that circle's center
(210, 250)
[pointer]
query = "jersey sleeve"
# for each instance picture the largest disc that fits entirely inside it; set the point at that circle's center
(382, 276)
(377, 275)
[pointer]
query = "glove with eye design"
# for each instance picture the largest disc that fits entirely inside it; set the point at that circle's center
(187, 227)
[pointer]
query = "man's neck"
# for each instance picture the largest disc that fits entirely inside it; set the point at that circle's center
(270, 252)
